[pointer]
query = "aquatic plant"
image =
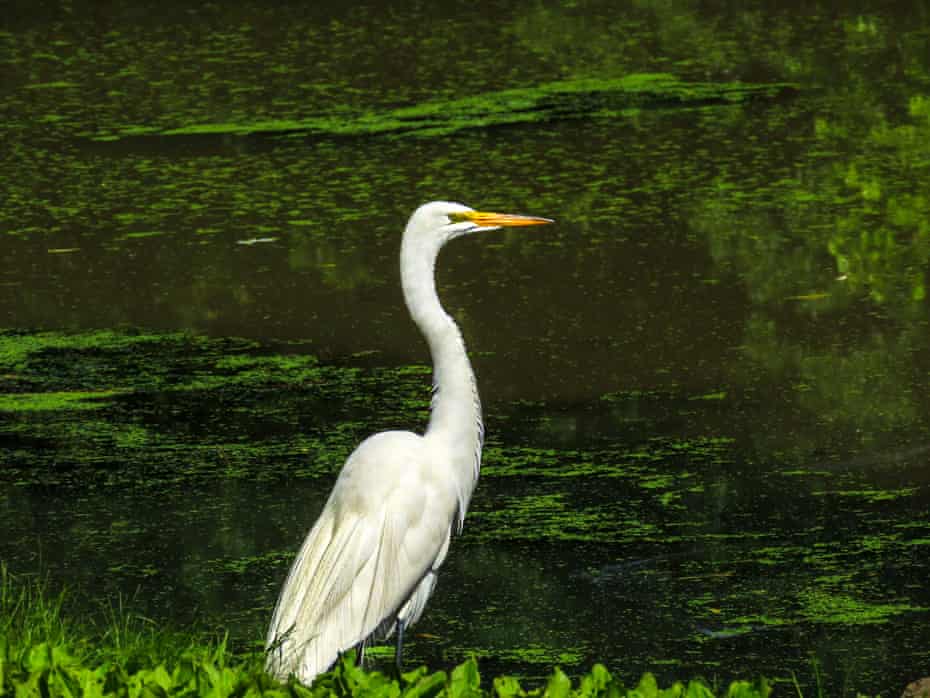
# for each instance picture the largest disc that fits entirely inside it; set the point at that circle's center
(43, 653)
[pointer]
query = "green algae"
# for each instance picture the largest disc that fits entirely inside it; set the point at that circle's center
(238, 416)
(142, 235)
(252, 371)
(829, 607)
(630, 462)
(531, 655)
(779, 197)
(58, 400)
(19, 348)
(180, 406)
(840, 589)
(555, 517)
(148, 393)
(266, 423)
(568, 99)
(56, 85)
(872, 495)
(719, 395)
(113, 361)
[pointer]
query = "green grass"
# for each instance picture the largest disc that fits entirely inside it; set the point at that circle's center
(44, 653)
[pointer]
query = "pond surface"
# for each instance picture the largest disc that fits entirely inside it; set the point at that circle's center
(706, 387)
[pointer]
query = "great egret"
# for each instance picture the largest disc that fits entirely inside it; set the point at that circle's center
(369, 563)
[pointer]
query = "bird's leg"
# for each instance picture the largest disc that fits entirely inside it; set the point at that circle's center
(399, 652)
(360, 655)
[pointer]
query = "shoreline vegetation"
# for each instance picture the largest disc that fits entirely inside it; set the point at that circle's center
(43, 652)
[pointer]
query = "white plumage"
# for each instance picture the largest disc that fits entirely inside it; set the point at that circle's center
(369, 564)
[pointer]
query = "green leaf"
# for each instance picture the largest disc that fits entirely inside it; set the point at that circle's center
(424, 685)
(91, 682)
(40, 658)
(465, 681)
(595, 682)
(698, 689)
(507, 686)
(744, 689)
(559, 685)
(647, 687)
(33, 687)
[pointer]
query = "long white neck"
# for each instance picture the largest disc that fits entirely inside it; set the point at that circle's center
(455, 416)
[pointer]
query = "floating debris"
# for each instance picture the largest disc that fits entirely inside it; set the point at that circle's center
(255, 241)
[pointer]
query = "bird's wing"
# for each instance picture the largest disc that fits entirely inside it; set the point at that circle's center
(354, 571)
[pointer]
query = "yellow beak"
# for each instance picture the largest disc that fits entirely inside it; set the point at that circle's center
(493, 220)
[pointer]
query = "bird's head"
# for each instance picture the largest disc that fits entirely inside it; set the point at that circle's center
(444, 220)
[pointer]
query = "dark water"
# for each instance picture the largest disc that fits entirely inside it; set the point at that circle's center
(706, 387)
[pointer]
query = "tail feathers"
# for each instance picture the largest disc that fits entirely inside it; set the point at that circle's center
(346, 583)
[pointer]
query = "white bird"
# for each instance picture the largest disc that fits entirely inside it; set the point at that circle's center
(369, 563)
